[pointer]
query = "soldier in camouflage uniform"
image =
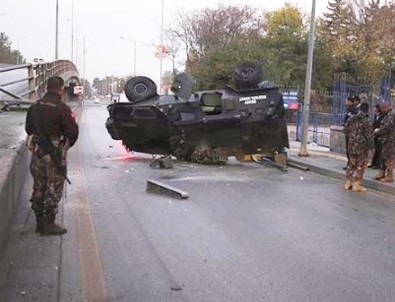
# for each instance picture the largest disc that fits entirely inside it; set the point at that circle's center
(351, 110)
(52, 129)
(360, 133)
(386, 134)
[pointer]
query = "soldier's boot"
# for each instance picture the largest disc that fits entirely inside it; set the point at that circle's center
(39, 213)
(40, 221)
(357, 187)
(380, 175)
(51, 228)
(389, 177)
(348, 184)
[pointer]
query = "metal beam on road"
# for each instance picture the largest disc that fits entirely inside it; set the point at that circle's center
(155, 186)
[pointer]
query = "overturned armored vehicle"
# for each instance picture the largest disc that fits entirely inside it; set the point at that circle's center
(203, 126)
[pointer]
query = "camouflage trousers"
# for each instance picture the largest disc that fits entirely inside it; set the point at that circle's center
(48, 183)
(357, 165)
(387, 151)
(387, 164)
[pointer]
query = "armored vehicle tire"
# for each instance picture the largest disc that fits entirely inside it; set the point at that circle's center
(248, 75)
(139, 88)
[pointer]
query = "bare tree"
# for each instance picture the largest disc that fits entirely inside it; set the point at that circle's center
(215, 28)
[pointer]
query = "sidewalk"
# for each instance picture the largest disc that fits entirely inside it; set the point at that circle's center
(323, 161)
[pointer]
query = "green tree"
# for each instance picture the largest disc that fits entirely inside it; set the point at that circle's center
(215, 40)
(285, 38)
(337, 28)
(7, 55)
(322, 66)
(87, 88)
(376, 41)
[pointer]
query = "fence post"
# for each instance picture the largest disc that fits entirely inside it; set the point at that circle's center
(314, 117)
(298, 125)
(31, 83)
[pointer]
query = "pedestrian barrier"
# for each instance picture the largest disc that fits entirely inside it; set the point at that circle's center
(319, 129)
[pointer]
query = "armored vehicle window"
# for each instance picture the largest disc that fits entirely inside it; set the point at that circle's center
(211, 103)
(167, 99)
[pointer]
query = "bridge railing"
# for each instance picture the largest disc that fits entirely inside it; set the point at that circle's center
(29, 85)
(57, 68)
(10, 79)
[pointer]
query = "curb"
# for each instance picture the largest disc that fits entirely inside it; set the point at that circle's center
(11, 184)
(370, 184)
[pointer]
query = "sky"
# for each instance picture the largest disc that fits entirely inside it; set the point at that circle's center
(30, 25)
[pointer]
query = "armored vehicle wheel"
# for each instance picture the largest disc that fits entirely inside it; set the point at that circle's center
(139, 88)
(248, 75)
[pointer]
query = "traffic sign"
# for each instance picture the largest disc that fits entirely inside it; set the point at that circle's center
(161, 51)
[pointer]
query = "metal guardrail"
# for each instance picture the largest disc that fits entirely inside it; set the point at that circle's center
(319, 129)
(36, 78)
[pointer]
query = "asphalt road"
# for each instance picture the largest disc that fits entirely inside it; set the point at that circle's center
(246, 232)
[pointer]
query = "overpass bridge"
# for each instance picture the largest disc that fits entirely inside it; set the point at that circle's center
(25, 83)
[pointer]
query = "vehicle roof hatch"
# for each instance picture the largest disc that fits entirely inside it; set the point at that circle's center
(182, 85)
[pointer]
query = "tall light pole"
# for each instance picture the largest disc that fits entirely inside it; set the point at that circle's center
(309, 69)
(161, 50)
(134, 53)
(72, 30)
(83, 67)
(57, 31)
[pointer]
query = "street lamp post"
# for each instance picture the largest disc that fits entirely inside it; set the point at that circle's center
(161, 50)
(83, 68)
(134, 53)
(306, 103)
(57, 31)
(72, 30)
